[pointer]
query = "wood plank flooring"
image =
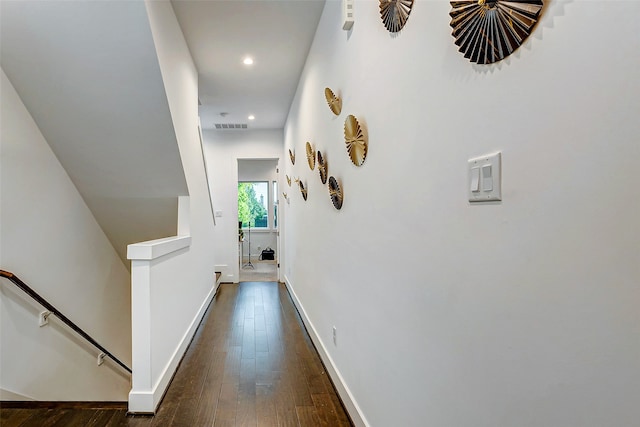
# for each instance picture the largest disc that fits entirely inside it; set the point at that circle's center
(251, 363)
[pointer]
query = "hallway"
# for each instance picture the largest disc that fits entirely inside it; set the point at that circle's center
(251, 363)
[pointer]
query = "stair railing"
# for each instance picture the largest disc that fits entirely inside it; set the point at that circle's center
(34, 295)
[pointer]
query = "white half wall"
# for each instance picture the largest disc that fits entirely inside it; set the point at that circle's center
(517, 313)
(223, 149)
(175, 287)
(50, 239)
(162, 329)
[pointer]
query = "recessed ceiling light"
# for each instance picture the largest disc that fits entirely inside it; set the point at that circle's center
(251, 117)
(248, 60)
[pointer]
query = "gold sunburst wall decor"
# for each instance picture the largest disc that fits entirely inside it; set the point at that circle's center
(356, 140)
(489, 31)
(292, 156)
(288, 180)
(336, 193)
(311, 156)
(303, 190)
(322, 167)
(395, 13)
(335, 103)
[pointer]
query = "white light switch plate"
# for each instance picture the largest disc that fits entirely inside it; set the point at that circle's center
(490, 185)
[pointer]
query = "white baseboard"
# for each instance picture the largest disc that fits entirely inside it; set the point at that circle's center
(146, 402)
(141, 402)
(217, 285)
(10, 395)
(222, 268)
(349, 402)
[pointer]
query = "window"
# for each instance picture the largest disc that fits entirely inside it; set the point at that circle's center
(275, 204)
(253, 202)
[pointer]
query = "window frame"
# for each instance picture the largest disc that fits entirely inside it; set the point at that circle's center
(266, 205)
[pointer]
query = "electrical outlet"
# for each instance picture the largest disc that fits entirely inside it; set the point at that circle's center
(335, 336)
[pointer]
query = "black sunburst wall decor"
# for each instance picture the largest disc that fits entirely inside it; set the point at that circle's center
(489, 31)
(395, 13)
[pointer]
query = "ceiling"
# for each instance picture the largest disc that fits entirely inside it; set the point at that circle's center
(277, 34)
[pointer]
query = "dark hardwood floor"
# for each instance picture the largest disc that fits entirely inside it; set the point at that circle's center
(251, 363)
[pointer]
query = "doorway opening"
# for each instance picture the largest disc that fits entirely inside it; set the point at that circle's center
(258, 220)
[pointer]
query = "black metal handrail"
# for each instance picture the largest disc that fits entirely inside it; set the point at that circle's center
(43, 302)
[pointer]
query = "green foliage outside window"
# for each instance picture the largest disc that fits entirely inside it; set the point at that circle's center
(252, 208)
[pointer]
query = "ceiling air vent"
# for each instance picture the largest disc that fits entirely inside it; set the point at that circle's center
(231, 125)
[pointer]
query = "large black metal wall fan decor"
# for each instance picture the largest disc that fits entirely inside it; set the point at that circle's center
(395, 13)
(489, 31)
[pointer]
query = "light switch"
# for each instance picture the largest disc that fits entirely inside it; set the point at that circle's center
(475, 180)
(485, 174)
(487, 178)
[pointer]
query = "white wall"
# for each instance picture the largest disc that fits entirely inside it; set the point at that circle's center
(223, 149)
(96, 92)
(51, 241)
(181, 285)
(522, 312)
(260, 239)
(261, 170)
